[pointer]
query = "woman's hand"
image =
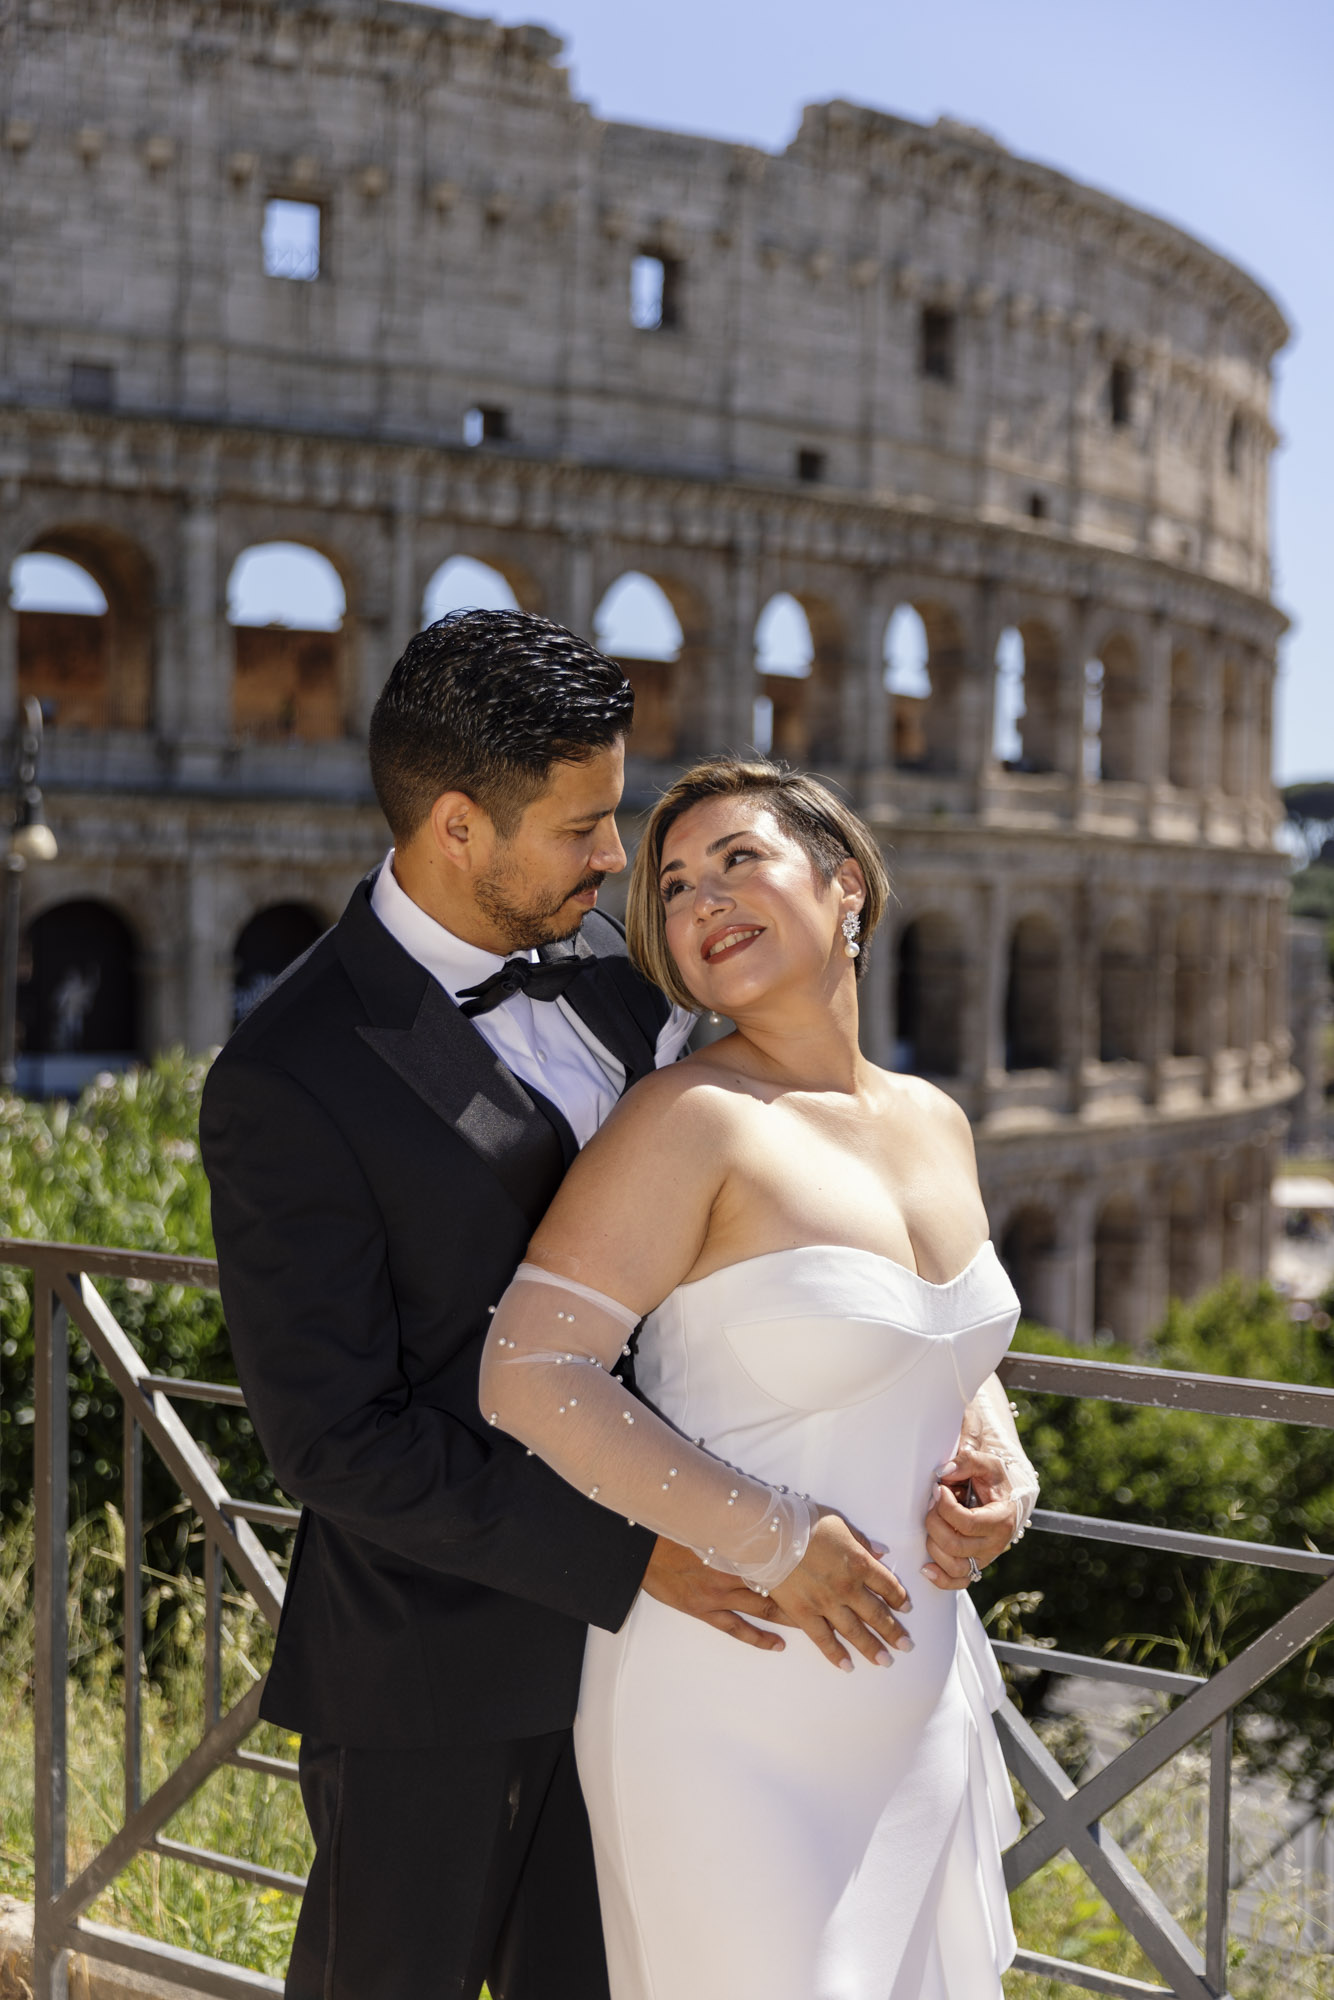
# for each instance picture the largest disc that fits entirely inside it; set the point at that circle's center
(840, 1588)
(955, 1531)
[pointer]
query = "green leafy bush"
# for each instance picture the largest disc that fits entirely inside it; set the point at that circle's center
(119, 1169)
(1251, 1481)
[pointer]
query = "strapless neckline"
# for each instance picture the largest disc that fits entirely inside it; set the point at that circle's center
(845, 1250)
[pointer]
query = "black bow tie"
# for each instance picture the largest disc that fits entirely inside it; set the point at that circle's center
(520, 975)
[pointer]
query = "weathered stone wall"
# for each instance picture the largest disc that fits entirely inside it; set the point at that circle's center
(906, 368)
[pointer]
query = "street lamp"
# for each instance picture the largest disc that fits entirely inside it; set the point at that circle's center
(30, 840)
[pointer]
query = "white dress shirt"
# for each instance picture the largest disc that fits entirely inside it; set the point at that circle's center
(543, 1041)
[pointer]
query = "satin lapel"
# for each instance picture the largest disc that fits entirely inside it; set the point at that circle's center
(418, 1031)
(446, 1062)
(596, 998)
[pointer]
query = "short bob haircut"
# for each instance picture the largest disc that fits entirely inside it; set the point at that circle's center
(807, 811)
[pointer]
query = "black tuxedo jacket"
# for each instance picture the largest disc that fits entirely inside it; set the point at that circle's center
(376, 1174)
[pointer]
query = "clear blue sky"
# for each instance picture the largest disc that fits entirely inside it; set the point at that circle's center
(1215, 115)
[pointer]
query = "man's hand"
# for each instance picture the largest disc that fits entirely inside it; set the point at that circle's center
(676, 1576)
(954, 1531)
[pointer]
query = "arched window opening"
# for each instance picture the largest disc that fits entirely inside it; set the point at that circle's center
(1121, 972)
(636, 625)
(784, 659)
(78, 1003)
(1233, 746)
(1028, 697)
(937, 343)
(924, 664)
(928, 1011)
(1028, 1252)
(1033, 996)
(1190, 996)
(1121, 394)
(85, 615)
(1007, 740)
(1111, 700)
(269, 943)
(1236, 439)
(463, 584)
(1183, 724)
(286, 604)
(1183, 1242)
(1118, 1244)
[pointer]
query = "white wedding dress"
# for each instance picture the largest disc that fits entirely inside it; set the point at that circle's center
(767, 1828)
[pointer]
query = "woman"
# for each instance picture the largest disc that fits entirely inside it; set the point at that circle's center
(806, 1237)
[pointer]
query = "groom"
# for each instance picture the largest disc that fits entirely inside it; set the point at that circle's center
(382, 1136)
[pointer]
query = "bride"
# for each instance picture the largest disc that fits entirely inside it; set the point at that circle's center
(802, 1236)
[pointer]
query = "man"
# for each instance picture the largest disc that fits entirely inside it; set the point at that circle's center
(382, 1134)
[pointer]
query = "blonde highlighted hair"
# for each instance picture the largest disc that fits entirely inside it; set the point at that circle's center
(829, 833)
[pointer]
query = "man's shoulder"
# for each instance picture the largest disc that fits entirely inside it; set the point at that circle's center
(604, 937)
(314, 992)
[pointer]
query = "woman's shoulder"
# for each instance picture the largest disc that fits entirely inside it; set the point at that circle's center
(693, 1096)
(927, 1106)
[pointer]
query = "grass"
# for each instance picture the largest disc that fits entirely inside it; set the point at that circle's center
(259, 1817)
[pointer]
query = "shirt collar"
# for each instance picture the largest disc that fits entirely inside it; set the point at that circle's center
(450, 960)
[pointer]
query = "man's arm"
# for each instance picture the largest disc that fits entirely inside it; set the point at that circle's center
(314, 1329)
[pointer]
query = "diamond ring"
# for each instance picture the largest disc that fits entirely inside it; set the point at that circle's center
(974, 1573)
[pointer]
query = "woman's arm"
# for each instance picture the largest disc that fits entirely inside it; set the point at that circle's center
(991, 1461)
(626, 1227)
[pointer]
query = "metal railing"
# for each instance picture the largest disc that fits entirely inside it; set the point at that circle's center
(1072, 1815)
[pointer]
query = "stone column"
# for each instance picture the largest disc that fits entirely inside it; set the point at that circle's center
(1078, 1221)
(867, 742)
(1154, 707)
(1209, 741)
(728, 718)
(577, 613)
(1216, 909)
(405, 611)
(976, 709)
(207, 961)
(9, 663)
(204, 707)
(1080, 995)
(990, 991)
(1161, 993)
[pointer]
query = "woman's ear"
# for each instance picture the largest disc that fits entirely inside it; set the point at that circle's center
(851, 883)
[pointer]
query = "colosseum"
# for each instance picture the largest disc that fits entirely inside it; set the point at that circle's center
(946, 474)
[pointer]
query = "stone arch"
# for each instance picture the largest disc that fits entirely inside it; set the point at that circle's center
(79, 993)
(1122, 965)
(637, 625)
(464, 582)
(1232, 730)
(1112, 688)
(1118, 1255)
(287, 605)
(1027, 731)
(92, 670)
(929, 994)
(1190, 989)
(1183, 1240)
(1033, 994)
(1029, 1252)
(785, 654)
(1183, 722)
(265, 946)
(924, 668)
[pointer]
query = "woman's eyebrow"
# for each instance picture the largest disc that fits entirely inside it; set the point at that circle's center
(713, 847)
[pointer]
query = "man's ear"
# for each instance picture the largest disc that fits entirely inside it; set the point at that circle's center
(461, 832)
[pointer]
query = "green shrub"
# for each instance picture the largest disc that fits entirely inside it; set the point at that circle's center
(120, 1168)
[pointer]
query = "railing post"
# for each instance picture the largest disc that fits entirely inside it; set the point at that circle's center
(212, 1632)
(133, 1594)
(50, 1970)
(1219, 1866)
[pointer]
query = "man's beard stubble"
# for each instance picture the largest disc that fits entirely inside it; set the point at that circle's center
(528, 925)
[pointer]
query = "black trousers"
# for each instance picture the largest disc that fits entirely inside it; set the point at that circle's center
(438, 1869)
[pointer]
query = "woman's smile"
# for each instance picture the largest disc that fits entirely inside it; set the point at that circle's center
(727, 942)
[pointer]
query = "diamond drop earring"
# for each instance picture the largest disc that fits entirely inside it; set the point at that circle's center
(850, 927)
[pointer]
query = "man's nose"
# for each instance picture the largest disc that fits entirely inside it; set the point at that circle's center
(610, 857)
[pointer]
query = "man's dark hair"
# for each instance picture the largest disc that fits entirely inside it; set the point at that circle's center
(485, 702)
